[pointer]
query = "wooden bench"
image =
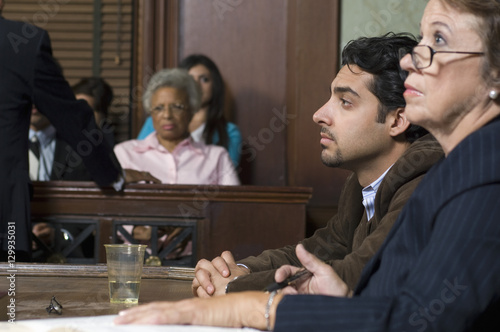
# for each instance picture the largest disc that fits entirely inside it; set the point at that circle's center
(243, 219)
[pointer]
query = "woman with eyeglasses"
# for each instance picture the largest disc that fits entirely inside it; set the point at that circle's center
(209, 124)
(438, 269)
(169, 153)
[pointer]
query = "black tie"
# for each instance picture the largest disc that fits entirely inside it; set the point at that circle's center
(35, 146)
(34, 157)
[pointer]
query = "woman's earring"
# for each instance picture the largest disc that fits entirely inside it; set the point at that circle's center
(493, 94)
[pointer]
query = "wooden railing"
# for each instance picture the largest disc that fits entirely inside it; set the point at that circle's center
(242, 219)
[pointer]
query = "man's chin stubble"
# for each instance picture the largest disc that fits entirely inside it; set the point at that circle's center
(332, 161)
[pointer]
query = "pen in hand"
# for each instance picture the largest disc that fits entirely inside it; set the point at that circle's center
(303, 273)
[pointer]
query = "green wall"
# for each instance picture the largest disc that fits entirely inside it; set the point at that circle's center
(372, 18)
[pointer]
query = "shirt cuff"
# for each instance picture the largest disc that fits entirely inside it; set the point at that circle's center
(226, 290)
(118, 184)
(243, 265)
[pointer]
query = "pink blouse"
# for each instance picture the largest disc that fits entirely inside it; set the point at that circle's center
(190, 162)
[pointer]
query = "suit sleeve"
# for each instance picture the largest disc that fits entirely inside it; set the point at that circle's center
(453, 285)
(73, 120)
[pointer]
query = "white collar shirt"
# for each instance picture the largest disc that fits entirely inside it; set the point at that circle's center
(46, 137)
(369, 192)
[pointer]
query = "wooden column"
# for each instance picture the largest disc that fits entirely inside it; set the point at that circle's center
(155, 48)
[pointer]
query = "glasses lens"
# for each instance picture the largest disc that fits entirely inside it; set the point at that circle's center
(422, 56)
(177, 108)
(157, 110)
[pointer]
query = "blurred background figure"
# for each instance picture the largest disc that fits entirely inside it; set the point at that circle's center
(170, 153)
(50, 157)
(209, 123)
(99, 95)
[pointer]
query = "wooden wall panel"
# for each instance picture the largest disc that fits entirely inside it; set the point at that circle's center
(313, 58)
(155, 49)
(247, 40)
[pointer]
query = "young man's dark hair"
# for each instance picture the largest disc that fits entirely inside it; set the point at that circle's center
(389, 77)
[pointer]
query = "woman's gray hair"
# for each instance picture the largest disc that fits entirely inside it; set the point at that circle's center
(173, 78)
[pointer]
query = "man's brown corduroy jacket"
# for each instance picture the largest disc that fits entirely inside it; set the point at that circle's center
(349, 240)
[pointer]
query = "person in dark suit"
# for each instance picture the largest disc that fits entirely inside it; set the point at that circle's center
(29, 75)
(52, 159)
(438, 269)
(56, 159)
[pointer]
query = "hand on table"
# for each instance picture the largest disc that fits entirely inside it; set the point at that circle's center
(233, 310)
(324, 280)
(212, 277)
(132, 176)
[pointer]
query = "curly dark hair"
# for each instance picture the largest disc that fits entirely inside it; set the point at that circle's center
(380, 57)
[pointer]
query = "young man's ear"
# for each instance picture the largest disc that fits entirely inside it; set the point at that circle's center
(398, 121)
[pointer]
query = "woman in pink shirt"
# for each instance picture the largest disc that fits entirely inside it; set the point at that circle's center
(169, 153)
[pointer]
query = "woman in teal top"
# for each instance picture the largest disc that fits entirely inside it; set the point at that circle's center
(209, 122)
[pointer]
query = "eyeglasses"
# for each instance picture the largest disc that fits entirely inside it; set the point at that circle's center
(174, 108)
(422, 55)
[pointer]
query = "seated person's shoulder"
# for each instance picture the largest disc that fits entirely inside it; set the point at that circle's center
(213, 150)
(426, 148)
(232, 129)
(130, 147)
(125, 145)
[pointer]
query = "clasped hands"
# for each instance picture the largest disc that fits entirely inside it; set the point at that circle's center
(211, 278)
(236, 309)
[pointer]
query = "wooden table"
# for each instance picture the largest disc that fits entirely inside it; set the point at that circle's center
(82, 290)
